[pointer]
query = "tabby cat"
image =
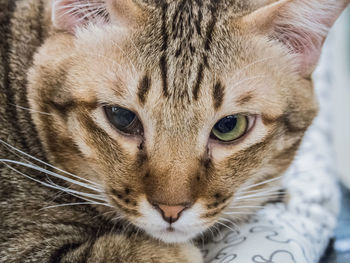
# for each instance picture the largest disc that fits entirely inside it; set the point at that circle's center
(129, 128)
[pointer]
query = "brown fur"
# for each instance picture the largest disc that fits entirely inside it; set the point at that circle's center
(180, 66)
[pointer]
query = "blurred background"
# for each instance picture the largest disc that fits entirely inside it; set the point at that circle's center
(341, 96)
(339, 41)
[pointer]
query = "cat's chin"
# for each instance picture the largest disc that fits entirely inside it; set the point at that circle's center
(173, 235)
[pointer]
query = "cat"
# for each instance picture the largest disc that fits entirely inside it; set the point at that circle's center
(129, 128)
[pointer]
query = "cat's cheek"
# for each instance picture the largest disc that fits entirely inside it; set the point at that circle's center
(221, 151)
(79, 138)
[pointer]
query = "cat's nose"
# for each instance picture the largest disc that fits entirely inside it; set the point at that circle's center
(170, 213)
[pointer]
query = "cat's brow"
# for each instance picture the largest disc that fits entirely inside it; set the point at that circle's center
(143, 88)
(67, 106)
(218, 95)
(244, 98)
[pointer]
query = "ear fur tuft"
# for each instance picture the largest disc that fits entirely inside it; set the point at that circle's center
(68, 15)
(301, 25)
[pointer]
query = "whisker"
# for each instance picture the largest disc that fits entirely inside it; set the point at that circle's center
(49, 165)
(223, 224)
(258, 198)
(239, 213)
(30, 110)
(19, 156)
(262, 190)
(48, 179)
(91, 14)
(261, 183)
(105, 214)
(117, 218)
(52, 174)
(97, 197)
(138, 230)
(80, 5)
(211, 232)
(217, 230)
(73, 204)
(246, 206)
(126, 227)
(202, 238)
(65, 189)
(231, 222)
(256, 195)
(79, 8)
(65, 192)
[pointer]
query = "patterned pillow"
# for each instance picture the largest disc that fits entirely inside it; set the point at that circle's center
(297, 232)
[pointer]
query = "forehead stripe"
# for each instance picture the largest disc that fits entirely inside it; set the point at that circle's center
(218, 95)
(198, 81)
(245, 98)
(163, 59)
(208, 40)
(209, 34)
(144, 87)
(164, 71)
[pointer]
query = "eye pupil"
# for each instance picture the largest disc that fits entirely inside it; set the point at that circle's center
(122, 117)
(227, 124)
(230, 128)
(124, 120)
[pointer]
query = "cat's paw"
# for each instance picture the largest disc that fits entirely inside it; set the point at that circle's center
(142, 249)
(174, 253)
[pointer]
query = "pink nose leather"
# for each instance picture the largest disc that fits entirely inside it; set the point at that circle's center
(171, 213)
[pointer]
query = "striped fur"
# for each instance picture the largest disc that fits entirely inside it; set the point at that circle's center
(73, 189)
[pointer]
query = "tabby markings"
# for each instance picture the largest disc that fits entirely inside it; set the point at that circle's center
(144, 87)
(208, 40)
(198, 82)
(218, 95)
(244, 98)
(164, 72)
(162, 62)
(177, 32)
(5, 19)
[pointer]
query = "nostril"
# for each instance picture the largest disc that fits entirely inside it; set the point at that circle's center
(170, 213)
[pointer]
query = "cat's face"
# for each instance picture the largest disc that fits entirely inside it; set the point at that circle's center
(175, 125)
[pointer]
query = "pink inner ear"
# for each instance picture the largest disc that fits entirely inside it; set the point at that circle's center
(66, 15)
(302, 25)
(306, 45)
(69, 14)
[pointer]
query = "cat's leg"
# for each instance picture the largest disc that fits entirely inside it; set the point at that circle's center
(74, 245)
(113, 248)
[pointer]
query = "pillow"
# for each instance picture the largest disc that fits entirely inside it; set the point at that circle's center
(298, 231)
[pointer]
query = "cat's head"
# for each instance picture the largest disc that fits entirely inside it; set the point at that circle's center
(181, 111)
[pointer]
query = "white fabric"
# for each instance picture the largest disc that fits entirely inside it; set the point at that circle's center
(297, 232)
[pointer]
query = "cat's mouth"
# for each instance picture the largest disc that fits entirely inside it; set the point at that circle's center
(173, 234)
(187, 227)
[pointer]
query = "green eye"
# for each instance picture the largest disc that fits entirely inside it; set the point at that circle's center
(124, 120)
(230, 128)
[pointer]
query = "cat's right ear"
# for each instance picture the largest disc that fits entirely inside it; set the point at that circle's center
(68, 15)
(300, 25)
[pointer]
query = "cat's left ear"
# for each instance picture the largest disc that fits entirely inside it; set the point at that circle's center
(68, 15)
(301, 25)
